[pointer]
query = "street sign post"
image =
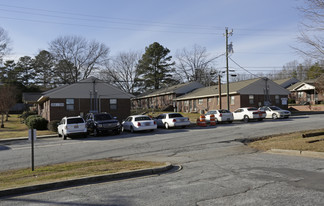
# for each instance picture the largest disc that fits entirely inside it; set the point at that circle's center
(32, 138)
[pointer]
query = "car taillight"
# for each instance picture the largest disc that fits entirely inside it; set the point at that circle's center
(138, 124)
(174, 120)
(220, 114)
(154, 122)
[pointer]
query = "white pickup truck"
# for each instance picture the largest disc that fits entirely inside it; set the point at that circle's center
(248, 113)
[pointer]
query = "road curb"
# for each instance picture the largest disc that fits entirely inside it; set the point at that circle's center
(85, 180)
(297, 153)
(26, 138)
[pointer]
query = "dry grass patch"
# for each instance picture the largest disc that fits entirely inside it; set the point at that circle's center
(293, 141)
(66, 171)
(15, 128)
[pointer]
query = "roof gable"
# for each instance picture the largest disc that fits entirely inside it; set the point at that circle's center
(251, 86)
(175, 89)
(83, 89)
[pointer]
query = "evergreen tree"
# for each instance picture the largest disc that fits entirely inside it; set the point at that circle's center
(44, 67)
(154, 68)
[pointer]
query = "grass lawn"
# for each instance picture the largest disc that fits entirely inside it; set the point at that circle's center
(293, 141)
(72, 170)
(14, 128)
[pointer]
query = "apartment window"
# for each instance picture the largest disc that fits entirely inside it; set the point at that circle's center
(251, 99)
(277, 99)
(299, 94)
(70, 104)
(186, 103)
(232, 100)
(113, 104)
(200, 101)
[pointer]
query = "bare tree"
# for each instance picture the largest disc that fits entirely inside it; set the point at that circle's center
(4, 44)
(86, 56)
(120, 71)
(196, 65)
(311, 34)
(319, 84)
(7, 100)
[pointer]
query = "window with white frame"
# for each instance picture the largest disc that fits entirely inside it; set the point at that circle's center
(251, 99)
(70, 104)
(113, 104)
(277, 99)
(232, 100)
(299, 94)
(200, 101)
(217, 99)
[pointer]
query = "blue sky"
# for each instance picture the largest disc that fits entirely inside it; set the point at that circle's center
(263, 30)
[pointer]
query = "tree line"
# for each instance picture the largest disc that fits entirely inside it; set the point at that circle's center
(69, 59)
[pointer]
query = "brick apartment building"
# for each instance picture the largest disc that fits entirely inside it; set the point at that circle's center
(82, 97)
(248, 93)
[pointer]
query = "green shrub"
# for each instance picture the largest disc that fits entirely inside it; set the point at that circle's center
(26, 114)
(52, 125)
(30, 117)
(37, 122)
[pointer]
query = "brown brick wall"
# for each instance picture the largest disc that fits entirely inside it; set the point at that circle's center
(239, 101)
(82, 107)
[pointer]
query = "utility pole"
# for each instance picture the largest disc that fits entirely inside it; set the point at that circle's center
(227, 74)
(219, 91)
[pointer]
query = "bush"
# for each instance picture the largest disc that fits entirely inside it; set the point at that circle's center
(38, 123)
(52, 125)
(30, 117)
(26, 114)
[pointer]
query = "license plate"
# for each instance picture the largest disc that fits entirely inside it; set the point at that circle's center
(76, 126)
(147, 124)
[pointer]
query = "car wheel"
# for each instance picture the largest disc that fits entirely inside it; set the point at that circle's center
(59, 135)
(274, 116)
(117, 132)
(166, 125)
(63, 136)
(131, 129)
(95, 132)
(246, 118)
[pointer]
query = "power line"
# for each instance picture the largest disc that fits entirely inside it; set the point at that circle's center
(102, 18)
(243, 68)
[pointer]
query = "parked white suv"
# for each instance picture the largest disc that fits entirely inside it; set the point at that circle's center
(72, 126)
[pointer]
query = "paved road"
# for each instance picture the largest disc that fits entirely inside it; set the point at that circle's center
(216, 169)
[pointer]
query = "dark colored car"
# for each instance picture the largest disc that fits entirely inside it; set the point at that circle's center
(102, 123)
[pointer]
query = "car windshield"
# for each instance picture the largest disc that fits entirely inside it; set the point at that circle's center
(274, 108)
(252, 109)
(100, 117)
(74, 120)
(175, 115)
(224, 111)
(142, 118)
(211, 112)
